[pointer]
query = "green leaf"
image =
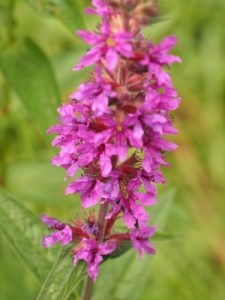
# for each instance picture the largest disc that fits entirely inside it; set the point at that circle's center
(117, 277)
(62, 279)
(160, 212)
(122, 249)
(163, 236)
(29, 73)
(156, 20)
(24, 232)
(6, 20)
(68, 12)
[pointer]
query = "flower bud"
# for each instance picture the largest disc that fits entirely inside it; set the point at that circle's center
(129, 4)
(144, 12)
(114, 3)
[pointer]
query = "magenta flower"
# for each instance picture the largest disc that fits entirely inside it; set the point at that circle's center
(90, 189)
(63, 237)
(159, 53)
(52, 222)
(121, 136)
(132, 203)
(92, 252)
(95, 93)
(107, 46)
(62, 232)
(140, 239)
(100, 9)
(74, 140)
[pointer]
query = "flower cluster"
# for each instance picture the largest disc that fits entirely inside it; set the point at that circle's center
(84, 234)
(113, 130)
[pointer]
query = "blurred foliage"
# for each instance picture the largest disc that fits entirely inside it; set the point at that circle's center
(37, 52)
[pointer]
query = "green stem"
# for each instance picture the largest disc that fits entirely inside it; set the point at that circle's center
(9, 26)
(4, 109)
(88, 286)
(4, 113)
(5, 99)
(10, 21)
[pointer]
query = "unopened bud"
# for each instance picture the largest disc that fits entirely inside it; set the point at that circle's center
(146, 11)
(114, 3)
(129, 4)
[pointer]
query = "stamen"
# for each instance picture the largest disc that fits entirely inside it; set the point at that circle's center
(111, 42)
(119, 127)
(77, 114)
(123, 190)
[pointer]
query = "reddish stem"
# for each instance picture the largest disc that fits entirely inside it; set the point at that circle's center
(88, 286)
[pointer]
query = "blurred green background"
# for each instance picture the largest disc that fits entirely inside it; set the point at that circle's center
(37, 52)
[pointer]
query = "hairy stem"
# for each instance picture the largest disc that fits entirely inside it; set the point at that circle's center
(88, 286)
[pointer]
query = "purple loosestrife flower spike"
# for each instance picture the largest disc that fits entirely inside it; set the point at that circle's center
(113, 130)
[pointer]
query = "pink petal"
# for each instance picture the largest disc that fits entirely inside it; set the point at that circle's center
(106, 164)
(111, 59)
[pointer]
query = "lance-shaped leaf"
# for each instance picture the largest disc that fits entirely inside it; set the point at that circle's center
(24, 232)
(160, 212)
(62, 279)
(164, 236)
(122, 249)
(29, 73)
(117, 276)
(69, 12)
